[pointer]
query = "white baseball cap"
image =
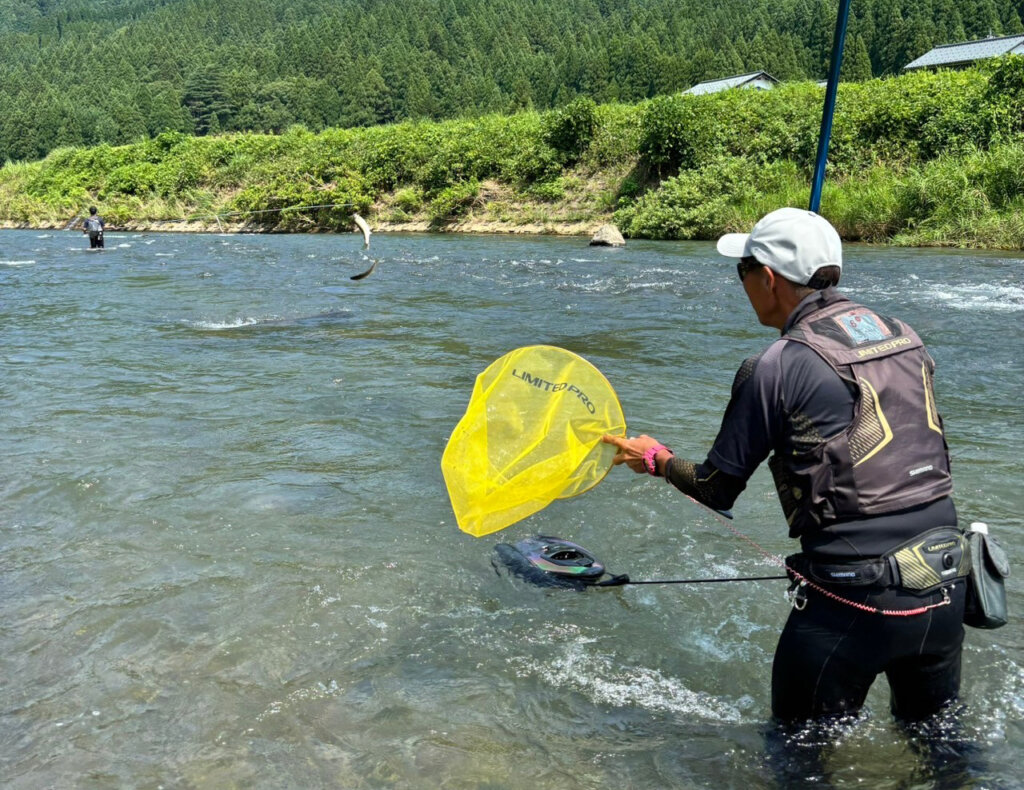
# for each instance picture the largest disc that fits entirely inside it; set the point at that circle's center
(792, 242)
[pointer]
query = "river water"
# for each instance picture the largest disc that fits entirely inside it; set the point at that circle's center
(227, 557)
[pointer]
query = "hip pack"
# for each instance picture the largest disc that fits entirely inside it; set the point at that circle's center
(922, 564)
(986, 587)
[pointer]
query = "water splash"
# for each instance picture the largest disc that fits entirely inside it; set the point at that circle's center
(981, 297)
(236, 323)
(603, 682)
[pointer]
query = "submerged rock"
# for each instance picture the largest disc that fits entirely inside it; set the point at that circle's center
(607, 236)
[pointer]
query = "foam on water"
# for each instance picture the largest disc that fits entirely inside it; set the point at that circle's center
(16, 263)
(1004, 706)
(984, 297)
(317, 691)
(598, 677)
(231, 324)
(666, 285)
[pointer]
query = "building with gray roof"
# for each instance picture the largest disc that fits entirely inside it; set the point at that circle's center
(757, 80)
(967, 52)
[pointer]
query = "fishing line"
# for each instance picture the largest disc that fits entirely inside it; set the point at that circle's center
(226, 214)
(359, 221)
(556, 562)
(800, 580)
(622, 579)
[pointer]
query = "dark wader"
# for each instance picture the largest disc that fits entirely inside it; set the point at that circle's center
(830, 653)
(94, 227)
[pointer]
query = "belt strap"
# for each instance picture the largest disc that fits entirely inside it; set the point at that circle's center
(861, 573)
(923, 563)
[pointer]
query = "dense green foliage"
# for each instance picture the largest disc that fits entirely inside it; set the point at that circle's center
(928, 156)
(87, 72)
(923, 158)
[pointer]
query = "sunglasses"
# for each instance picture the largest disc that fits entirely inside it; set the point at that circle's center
(745, 266)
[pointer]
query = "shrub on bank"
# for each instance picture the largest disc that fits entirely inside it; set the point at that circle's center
(570, 130)
(699, 203)
(452, 202)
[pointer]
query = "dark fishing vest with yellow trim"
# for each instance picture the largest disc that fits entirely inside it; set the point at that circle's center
(893, 455)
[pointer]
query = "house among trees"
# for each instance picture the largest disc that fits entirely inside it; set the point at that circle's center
(967, 52)
(756, 80)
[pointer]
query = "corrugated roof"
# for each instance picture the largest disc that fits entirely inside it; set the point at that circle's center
(713, 86)
(969, 51)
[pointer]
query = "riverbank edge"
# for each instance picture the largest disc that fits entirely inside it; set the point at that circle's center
(584, 230)
(469, 226)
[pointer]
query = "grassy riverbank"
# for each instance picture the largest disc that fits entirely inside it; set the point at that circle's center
(919, 159)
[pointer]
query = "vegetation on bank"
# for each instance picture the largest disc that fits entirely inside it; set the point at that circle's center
(924, 158)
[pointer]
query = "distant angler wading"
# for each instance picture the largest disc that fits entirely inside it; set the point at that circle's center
(93, 227)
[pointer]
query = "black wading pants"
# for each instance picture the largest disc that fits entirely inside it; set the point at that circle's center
(830, 653)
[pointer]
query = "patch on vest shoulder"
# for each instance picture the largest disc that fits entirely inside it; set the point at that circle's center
(862, 326)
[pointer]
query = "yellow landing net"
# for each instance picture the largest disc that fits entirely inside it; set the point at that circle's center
(531, 434)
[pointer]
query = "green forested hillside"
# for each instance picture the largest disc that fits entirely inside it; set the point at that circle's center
(83, 72)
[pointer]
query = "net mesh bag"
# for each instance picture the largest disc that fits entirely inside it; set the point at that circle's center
(531, 434)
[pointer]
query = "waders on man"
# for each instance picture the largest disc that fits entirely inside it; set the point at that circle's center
(93, 226)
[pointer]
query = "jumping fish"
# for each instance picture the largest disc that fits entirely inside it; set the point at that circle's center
(366, 245)
(361, 223)
(361, 275)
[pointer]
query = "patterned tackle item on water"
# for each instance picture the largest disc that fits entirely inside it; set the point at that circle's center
(550, 562)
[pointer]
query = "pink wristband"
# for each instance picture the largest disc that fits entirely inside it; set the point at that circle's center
(649, 463)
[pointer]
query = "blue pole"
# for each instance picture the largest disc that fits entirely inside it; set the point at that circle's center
(830, 103)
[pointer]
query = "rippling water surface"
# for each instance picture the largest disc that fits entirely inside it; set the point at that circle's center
(227, 558)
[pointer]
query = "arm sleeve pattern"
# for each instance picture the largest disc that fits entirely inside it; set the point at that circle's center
(705, 483)
(752, 418)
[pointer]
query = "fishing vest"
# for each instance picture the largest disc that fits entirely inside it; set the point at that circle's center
(92, 224)
(893, 455)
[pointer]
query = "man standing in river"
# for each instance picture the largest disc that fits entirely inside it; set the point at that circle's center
(93, 225)
(843, 402)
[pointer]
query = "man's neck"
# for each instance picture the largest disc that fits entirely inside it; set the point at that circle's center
(810, 302)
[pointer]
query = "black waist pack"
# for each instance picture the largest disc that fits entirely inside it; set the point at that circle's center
(923, 564)
(986, 587)
(931, 560)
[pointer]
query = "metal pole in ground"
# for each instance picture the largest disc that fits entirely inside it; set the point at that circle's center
(830, 103)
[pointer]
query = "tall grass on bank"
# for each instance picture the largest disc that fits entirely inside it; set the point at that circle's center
(924, 158)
